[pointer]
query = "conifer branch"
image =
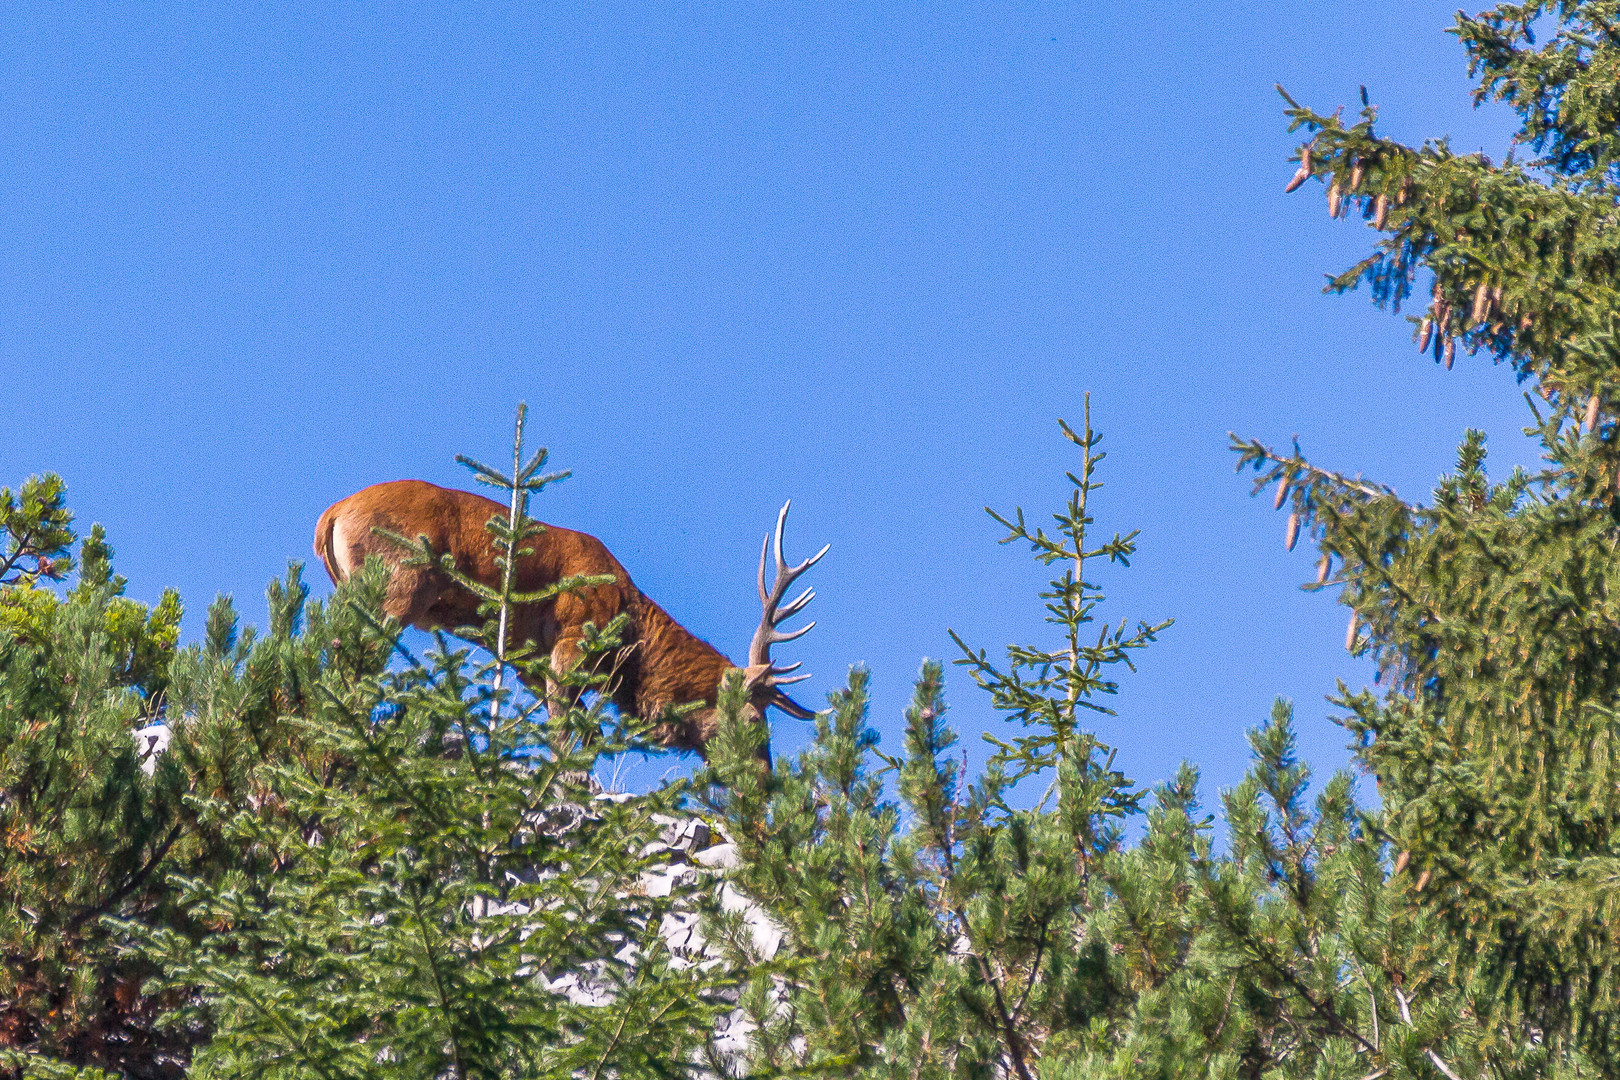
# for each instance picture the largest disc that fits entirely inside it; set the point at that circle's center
(134, 882)
(452, 1032)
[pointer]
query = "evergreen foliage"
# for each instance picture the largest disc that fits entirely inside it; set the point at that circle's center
(1488, 611)
(84, 831)
(960, 932)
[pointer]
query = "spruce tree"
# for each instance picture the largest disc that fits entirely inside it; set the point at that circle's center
(1488, 611)
(348, 864)
(348, 861)
(96, 825)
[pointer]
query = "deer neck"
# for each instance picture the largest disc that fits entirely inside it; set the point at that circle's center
(674, 666)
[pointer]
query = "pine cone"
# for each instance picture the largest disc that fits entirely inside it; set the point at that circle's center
(1304, 172)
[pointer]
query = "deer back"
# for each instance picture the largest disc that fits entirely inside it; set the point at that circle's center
(454, 521)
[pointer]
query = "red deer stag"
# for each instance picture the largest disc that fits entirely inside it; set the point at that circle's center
(662, 664)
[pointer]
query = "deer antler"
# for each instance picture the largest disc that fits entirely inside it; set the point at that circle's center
(761, 671)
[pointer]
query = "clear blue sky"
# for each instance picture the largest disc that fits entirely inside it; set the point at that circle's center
(253, 258)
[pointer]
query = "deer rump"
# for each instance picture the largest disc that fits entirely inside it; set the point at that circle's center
(660, 664)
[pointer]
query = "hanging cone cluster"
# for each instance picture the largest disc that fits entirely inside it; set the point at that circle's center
(1341, 191)
(1485, 313)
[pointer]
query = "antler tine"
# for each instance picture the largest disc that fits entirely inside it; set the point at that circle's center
(775, 613)
(792, 608)
(781, 524)
(764, 550)
(790, 635)
(782, 567)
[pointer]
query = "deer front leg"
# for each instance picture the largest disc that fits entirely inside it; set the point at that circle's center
(565, 656)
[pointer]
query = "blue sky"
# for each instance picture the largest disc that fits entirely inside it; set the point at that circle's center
(253, 258)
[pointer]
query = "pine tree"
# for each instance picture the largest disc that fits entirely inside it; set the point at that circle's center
(83, 832)
(95, 825)
(355, 861)
(348, 861)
